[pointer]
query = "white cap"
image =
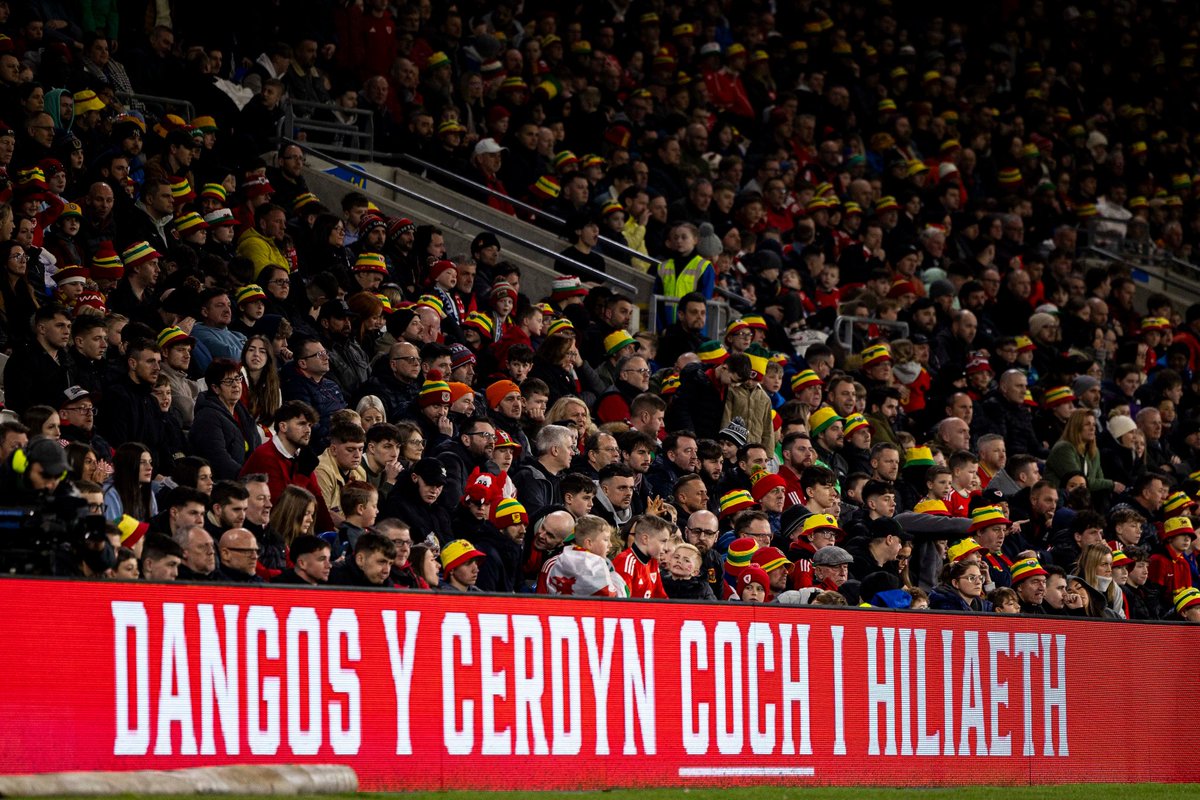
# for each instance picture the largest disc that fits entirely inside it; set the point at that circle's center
(488, 145)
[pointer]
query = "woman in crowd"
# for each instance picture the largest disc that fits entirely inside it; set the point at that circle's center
(962, 589)
(260, 374)
(223, 431)
(128, 491)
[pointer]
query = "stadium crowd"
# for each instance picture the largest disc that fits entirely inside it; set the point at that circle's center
(254, 384)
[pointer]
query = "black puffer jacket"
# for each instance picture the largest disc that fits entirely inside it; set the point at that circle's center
(405, 502)
(698, 405)
(224, 439)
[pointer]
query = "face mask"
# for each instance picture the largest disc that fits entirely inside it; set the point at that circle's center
(1102, 583)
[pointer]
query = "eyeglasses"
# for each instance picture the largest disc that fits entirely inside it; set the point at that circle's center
(491, 437)
(87, 411)
(231, 382)
(410, 359)
(972, 578)
(279, 282)
(416, 442)
(703, 532)
(97, 508)
(402, 542)
(318, 354)
(642, 371)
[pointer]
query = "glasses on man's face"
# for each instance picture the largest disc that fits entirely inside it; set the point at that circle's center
(491, 437)
(97, 508)
(704, 532)
(318, 354)
(642, 371)
(402, 543)
(409, 359)
(87, 411)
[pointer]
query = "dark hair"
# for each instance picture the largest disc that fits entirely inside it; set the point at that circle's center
(877, 396)
(77, 452)
(347, 433)
(744, 518)
(225, 491)
(157, 546)
(553, 348)
(186, 471)
(1086, 519)
(382, 432)
(304, 544)
(630, 440)
(217, 371)
(182, 495)
(355, 494)
(574, 483)
(135, 496)
(375, 543)
(35, 417)
(816, 475)
(743, 452)
(672, 440)
(874, 488)
(293, 409)
(616, 470)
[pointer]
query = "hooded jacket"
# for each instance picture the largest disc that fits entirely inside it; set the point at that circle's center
(405, 502)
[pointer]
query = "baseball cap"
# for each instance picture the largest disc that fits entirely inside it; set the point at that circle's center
(431, 471)
(335, 308)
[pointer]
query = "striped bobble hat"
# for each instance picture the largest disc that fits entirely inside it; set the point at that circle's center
(886, 203)
(509, 511)
(735, 501)
(1186, 598)
(189, 222)
(670, 385)
(138, 253)
(712, 353)
(918, 457)
(503, 289)
(1086, 210)
(304, 199)
(1010, 176)
(611, 207)
(1177, 503)
(560, 326)
(221, 218)
(131, 530)
(546, 309)
(855, 422)
(852, 208)
(434, 302)
(1121, 558)
(480, 322)
(370, 262)
(763, 482)
(249, 293)
(106, 263)
(740, 554)
(437, 59)
(172, 336)
(1031, 568)
(986, 517)
(435, 391)
(876, 352)
(1029, 401)
(936, 507)
(735, 326)
(805, 378)
(546, 187)
(1156, 324)
(205, 124)
(617, 341)
(821, 419)
(963, 548)
(386, 302)
(564, 160)
(214, 191)
(1177, 526)
(1057, 396)
(181, 190)
(71, 273)
(755, 321)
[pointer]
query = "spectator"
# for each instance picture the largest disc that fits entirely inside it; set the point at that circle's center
(223, 431)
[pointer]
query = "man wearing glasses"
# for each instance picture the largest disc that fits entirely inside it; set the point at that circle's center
(461, 455)
(632, 379)
(307, 379)
(239, 556)
(701, 531)
(78, 414)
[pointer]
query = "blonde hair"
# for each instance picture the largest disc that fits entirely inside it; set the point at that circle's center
(830, 599)
(1089, 564)
(903, 350)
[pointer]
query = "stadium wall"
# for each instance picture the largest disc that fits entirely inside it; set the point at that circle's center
(444, 691)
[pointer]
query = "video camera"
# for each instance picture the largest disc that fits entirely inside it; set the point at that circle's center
(49, 539)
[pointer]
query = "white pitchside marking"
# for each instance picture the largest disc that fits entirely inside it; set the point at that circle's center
(746, 772)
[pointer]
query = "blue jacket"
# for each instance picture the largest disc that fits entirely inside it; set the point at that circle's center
(324, 396)
(218, 343)
(944, 598)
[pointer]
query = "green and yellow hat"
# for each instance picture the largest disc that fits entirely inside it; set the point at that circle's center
(1177, 504)
(986, 517)
(370, 262)
(805, 378)
(189, 222)
(249, 293)
(169, 337)
(1027, 568)
(821, 419)
(853, 423)
(509, 511)
(1186, 598)
(876, 352)
(435, 391)
(214, 191)
(735, 501)
(480, 322)
(918, 457)
(138, 253)
(560, 326)
(963, 548)
(616, 341)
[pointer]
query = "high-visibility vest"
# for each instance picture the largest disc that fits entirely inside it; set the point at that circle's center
(676, 285)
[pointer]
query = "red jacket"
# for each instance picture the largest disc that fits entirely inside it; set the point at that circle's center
(282, 472)
(1170, 570)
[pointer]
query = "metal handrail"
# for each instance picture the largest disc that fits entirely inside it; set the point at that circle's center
(364, 140)
(847, 342)
(462, 215)
(162, 101)
(1163, 276)
(425, 165)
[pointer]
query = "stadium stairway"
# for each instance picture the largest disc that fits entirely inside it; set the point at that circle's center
(330, 181)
